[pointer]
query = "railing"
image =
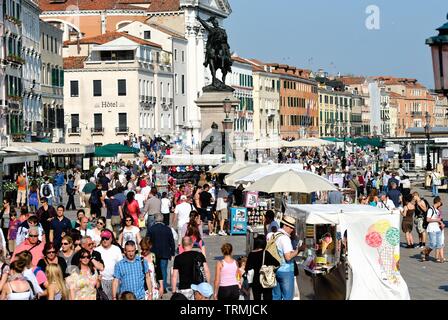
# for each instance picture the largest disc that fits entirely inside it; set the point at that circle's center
(416, 113)
(75, 131)
(171, 100)
(163, 100)
(153, 100)
(97, 131)
(121, 130)
(142, 98)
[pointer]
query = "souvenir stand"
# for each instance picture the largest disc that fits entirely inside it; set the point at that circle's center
(366, 268)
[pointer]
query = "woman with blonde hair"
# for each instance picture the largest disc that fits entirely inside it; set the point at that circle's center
(56, 290)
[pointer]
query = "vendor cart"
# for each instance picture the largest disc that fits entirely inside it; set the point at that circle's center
(352, 251)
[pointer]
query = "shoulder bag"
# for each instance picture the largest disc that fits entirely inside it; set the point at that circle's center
(267, 275)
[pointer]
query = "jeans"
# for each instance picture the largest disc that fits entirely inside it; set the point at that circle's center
(150, 221)
(284, 290)
(164, 268)
(435, 240)
(435, 190)
(57, 194)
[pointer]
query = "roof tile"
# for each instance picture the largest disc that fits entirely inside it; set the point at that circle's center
(110, 36)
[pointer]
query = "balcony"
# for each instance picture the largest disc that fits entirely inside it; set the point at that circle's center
(170, 101)
(97, 131)
(417, 113)
(74, 131)
(163, 100)
(15, 58)
(153, 100)
(142, 98)
(121, 130)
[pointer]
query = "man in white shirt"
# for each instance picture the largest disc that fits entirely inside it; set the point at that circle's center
(385, 202)
(139, 197)
(181, 215)
(110, 254)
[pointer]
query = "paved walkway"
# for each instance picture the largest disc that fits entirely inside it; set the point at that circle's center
(426, 280)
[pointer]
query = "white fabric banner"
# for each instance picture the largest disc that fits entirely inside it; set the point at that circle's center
(373, 252)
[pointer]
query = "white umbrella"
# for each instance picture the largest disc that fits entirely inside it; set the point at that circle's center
(230, 167)
(308, 142)
(268, 170)
(292, 181)
(230, 179)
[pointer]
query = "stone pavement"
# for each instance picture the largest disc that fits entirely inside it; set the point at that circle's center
(426, 280)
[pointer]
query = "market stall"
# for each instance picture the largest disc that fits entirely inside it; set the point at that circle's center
(362, 242)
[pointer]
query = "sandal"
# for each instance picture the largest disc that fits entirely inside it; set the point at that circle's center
(440, 260)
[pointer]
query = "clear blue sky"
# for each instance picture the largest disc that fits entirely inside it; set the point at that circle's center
(331, 34)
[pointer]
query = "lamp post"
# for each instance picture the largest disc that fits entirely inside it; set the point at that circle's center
(428, 133)
(227, 125)
(439, 51)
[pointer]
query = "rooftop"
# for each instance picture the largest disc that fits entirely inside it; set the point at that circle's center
(152, 5)
(74, 62)
(110, 36)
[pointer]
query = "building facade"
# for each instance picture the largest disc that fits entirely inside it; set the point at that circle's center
(441, 110)
(31, 70)
(266, 101)
(299, 109)
(52, 81)
(13, 84)
(3, 106)
(103, 87)
(93, 18)
(241, 79)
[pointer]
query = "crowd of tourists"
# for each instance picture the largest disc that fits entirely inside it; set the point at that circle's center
(126, 231)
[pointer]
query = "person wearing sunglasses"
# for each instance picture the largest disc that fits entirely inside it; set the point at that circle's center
(88, 244)
(83, 286)
(96, 232)
(32, 244)
(51, 257)
(130, 232)
(111, 254)
(67, 250)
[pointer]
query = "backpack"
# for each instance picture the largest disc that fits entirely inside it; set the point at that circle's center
(198, 271)
(425, 222)
(46, 191)
(271, 247)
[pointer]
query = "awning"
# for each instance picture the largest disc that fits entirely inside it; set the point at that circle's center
(11, 157)
(58, 149)
(113, 149)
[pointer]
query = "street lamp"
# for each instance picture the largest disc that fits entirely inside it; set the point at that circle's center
(428, 132)
(439, 50)
(227, 125)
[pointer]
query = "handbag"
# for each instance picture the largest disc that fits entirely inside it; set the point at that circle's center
(267, 275)
(100, 294)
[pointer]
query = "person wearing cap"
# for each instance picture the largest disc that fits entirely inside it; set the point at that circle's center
(111, 254)
(385, 202)
(202, 291)
(284, 290)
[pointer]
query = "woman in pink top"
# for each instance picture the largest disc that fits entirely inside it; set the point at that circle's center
(226, 276)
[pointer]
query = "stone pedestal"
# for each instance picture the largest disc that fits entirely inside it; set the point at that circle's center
(211, 105)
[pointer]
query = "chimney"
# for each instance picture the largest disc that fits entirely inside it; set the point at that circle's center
(103, 22)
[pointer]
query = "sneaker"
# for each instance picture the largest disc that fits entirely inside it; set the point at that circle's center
(212, 234)
(222, 233)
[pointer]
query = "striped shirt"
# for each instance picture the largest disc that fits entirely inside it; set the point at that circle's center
(131, 276)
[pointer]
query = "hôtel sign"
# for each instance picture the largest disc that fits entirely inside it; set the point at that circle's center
(109, 104)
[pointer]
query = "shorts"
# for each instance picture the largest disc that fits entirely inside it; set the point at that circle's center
(435, 240)
(223, 214)
(418, 221)
(406, 226)
(206, 215)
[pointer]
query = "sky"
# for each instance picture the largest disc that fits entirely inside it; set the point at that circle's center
(332, 34)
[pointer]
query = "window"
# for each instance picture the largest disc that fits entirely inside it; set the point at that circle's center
(183, 84)
(175, 54)
(74, 88)
(183, 56)
(147, 35)
(183, 114)
(122, 122)
(75, 122)
(122, 87)
(98, 121)
(97, 88)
